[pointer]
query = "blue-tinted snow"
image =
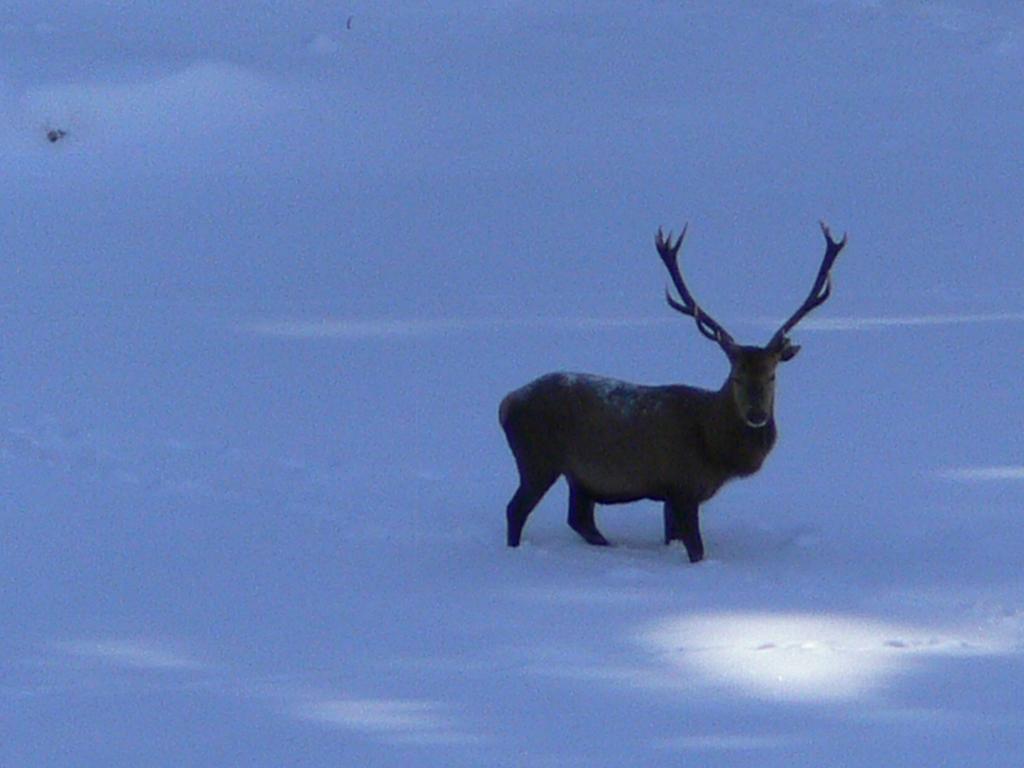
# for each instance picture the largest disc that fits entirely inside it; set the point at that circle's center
(261, 302)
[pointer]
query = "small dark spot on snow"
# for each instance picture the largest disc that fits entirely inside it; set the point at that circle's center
(55, 134)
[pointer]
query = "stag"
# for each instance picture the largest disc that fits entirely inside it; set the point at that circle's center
(617, 442)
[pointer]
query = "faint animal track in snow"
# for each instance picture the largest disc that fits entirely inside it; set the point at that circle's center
(56, 447)
(189, 474)
(172, 467)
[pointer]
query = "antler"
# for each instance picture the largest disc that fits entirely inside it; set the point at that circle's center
(706, 324)
(819, 292)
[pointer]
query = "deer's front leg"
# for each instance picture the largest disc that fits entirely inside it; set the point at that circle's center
(672, 532)
(682, 523)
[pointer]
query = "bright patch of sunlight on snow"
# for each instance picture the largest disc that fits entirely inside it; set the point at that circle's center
(129, 654)
(858, 323)
(804, 657)
(906, 321)
(357, 330)
(407, 721)
(983, 474)
(726, 743)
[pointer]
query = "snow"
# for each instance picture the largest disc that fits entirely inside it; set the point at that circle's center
(261, 302)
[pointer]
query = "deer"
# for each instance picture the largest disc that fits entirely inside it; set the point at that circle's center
(617, 442)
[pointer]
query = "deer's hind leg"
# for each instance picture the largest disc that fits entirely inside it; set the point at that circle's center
(581, 516)
(531, 490)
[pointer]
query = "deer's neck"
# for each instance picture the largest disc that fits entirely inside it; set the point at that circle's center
(730, 442)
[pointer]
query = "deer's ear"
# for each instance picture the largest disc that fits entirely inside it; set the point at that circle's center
(788, 351)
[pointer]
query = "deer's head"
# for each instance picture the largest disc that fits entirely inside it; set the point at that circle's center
(751, 380)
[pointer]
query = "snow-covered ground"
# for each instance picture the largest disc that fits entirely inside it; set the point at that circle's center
(261, 301)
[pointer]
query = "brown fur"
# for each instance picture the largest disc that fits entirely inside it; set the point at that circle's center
(617, 442)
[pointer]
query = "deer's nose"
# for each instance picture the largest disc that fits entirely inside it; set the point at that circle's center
(756, 417)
